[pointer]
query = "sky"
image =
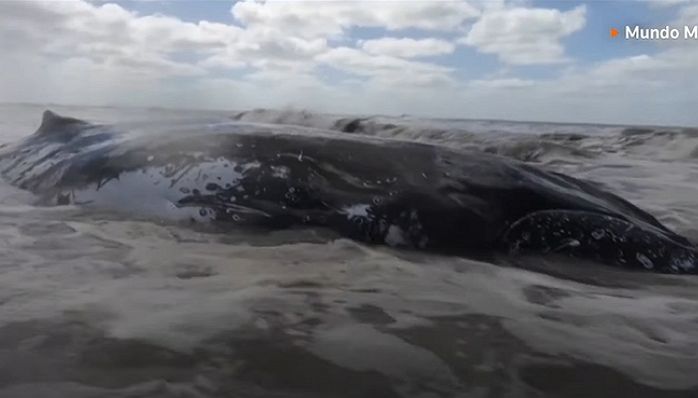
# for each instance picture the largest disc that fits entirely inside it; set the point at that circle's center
(486, 59)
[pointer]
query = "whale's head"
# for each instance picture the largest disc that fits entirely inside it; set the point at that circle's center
(605, 238)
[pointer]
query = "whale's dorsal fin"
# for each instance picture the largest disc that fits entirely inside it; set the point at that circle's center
(52, 123)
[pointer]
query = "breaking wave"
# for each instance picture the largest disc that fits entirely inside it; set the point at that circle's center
(527, 141)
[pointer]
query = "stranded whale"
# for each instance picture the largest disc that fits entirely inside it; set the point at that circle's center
(379, 191)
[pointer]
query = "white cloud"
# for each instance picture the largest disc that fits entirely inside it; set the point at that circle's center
(267, 47)
(107, 34)
(525, 36)
(667, 3)
(407, 47)
(332, 18)
(688, 15)
(504, 83)
(384, 68)
(76, 80)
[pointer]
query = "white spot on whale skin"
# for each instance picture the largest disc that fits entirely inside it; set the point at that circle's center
(150, 158)
(598, 234)
(358, 210)
(646, 262)
(280, 171)
(686, 264)
(568, 243)
(395, 237)
(245, 167)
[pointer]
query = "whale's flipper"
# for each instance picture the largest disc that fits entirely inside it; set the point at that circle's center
(54, 124)
(602, 237)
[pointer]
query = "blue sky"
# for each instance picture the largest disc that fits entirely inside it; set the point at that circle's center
(504, 59)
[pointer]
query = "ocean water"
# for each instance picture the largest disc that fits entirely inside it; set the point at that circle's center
(104, 305)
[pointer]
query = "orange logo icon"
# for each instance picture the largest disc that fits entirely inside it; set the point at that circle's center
(614, 32)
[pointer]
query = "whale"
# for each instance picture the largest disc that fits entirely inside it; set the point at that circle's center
(403, 194)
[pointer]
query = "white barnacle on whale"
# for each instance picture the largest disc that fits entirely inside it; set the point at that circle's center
(356, 211)
(395, 236)
(567, 243)
(598, 234)
(644, 260)
(250, 166)
(280, 171)
(685, 263)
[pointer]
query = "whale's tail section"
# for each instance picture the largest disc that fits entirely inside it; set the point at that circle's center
(601, 237)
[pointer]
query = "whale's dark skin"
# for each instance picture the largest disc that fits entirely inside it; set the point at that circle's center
(399, 193)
